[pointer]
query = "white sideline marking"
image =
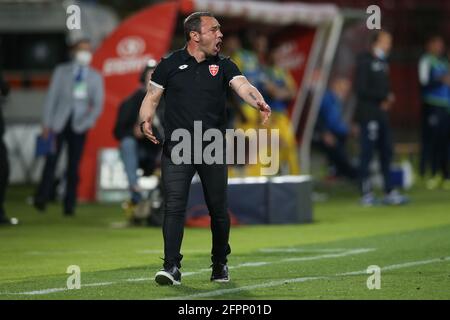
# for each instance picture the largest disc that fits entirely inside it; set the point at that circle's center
(295, 250)
(263, 263)
(44, 291)
(303, 279)
(52, 290)
(145, 251)
(400, 265)
(98, 284)
(139, 279)
(185, 274)
(233, 290)
(53, 252)
(159, 251)
(330, 255)
(251, 264)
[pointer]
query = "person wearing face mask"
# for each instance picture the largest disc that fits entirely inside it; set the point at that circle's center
(374, 100)
(72, 106)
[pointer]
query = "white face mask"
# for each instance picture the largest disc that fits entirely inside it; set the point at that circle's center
(83, 57)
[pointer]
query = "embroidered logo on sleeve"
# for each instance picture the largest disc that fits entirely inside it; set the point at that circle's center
(184, 66)
(213, 69)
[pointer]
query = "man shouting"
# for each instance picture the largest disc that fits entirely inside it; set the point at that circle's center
(194, 82)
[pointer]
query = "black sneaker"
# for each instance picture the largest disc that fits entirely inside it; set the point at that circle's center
(219, 272)
(168, 276)
(69, 212)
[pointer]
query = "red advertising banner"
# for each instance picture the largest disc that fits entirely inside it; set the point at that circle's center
(120, 59)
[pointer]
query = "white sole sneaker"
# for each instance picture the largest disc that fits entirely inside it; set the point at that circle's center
(221, 280)
(164, 278)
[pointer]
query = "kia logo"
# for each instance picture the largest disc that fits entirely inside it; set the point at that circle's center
(130, 46)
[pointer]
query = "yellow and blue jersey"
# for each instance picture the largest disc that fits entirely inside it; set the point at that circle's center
(281, 78)
(250, 67)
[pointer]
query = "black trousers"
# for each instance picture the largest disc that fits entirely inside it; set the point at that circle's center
(435, 141)
(4, 175)
(176, 182)
(375, 136)
(75, 144)
(425, 140)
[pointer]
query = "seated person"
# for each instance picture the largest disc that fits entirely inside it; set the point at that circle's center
(135, 150)
(332, 130)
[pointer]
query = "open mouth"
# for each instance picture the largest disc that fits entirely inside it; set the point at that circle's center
(218, 45)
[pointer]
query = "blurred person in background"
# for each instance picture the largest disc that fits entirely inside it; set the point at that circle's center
(248, 118)
(135, 150)
(4, 164)
(231, 45)
(374, 100)
(247, 61)
(73, 104)
(280, 90)
(333, 130)
(434, 80)
(260, 46)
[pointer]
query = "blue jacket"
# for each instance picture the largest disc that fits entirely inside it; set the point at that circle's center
(330, 114)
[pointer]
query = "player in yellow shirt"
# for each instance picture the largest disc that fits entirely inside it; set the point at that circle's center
(280, 89)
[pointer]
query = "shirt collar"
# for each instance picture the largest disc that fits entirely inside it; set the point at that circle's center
(76, 67)
(186, 56)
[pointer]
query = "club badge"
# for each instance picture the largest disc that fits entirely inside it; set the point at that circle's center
(213, 69)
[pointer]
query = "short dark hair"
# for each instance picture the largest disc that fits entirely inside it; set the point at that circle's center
(193, 23)
(73, 44)
(374, 37)
(433, 37)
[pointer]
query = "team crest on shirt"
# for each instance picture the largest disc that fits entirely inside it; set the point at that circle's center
(213, 69)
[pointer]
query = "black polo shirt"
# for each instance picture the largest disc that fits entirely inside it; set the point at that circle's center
(194, 91)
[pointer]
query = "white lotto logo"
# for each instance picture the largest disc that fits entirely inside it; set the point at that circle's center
(131, 57)
(130, 47)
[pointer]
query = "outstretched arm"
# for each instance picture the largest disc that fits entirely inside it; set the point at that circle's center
(148, 110)
(251, 95)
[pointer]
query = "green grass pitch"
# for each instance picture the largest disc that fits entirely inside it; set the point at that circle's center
(327, 259)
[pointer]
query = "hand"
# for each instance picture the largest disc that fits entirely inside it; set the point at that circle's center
(265, 111)
(146, 129)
